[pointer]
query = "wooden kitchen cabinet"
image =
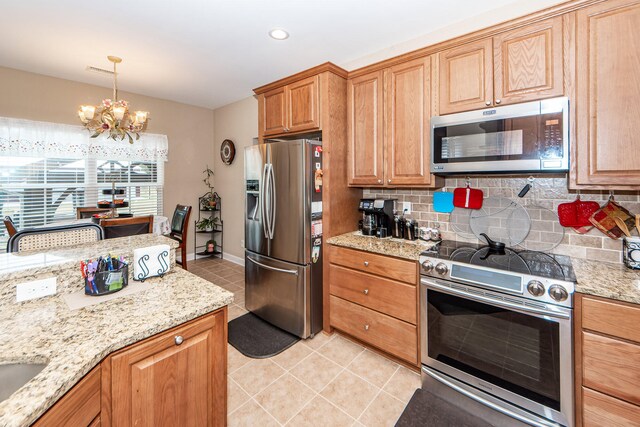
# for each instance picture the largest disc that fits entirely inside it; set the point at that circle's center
(365, 106)
(607, 360)
(291, 108)
(374, 298)
(176, 377)
(606, 104)
(80, 407)
(388, 118)
(520, 65)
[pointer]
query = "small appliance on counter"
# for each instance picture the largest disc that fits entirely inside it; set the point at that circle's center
(377, 217)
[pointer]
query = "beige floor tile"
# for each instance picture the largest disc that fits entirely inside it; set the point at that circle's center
(383, 411)
(321, 413)
(285, 397)
(236, 397)
(403, 384)
(316, 371)
(238, 297)
(235, 277)
(341, 350)
(231, 287)
(373, 367)
(236, 360)
(319, 340)
(236, 311)
(256, 375)
(350, 393)
(226, 273)
(291, 356)
(251, 415)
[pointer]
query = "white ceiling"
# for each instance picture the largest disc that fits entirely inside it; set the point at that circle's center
(213, 52)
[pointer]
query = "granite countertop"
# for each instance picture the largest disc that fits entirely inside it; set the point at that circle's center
(74, 342)
(400, 248)
(607, 280)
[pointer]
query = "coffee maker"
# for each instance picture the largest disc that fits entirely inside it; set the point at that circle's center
(377, 216)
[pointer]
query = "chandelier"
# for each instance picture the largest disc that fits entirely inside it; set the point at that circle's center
(112, 115)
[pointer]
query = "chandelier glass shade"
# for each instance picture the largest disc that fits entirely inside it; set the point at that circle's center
(112, 116)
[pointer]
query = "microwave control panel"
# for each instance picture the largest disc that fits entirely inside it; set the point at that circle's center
(551, 144)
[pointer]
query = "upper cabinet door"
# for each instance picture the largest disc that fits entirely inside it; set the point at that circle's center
(407, 123)
(466, 77)
(302, 105)
(365, 107)
(273, 111)
(607, 143)
(528, 63)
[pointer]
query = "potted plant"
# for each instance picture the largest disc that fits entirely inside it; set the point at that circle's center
(205, 224)
(211, 246)
(209, 200)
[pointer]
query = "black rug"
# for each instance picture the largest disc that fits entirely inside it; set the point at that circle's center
(428, 410)
(254, 337)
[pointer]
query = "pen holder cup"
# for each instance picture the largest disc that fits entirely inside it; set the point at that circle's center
(631, 252)
(107, 282)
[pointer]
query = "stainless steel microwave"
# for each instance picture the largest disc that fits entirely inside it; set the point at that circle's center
(527, 137)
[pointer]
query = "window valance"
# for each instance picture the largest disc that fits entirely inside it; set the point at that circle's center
(20, 137)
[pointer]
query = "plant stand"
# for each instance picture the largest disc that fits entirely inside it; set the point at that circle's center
(205, 211)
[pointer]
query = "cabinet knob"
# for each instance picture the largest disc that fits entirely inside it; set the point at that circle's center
(366, 327)
(366, 292)
(286, 129)
(379, 181)
(498, 101)
(366, 263)
(179, 340)
(487, 103)
(389, 180)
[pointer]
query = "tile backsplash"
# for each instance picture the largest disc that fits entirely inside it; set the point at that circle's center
(547, 193)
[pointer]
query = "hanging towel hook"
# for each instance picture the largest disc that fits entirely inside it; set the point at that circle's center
(467, 180)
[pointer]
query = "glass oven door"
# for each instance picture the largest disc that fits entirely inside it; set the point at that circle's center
(501, 348)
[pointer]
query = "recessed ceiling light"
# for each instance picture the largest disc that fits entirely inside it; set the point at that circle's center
(278, 34)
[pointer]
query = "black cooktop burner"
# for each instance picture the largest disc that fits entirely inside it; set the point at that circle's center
(518, 261)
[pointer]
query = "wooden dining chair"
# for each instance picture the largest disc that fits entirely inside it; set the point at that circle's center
(10, 226)
(83, 212)
(123, 227)
(179, 230)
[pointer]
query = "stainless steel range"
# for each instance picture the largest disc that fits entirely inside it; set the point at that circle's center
(497, 327)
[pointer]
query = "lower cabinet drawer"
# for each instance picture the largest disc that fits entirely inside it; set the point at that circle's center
(600, 410)
(611, 366)
(384, 332)
(382, 265)
(396, 299)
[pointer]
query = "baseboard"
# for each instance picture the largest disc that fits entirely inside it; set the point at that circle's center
(234, 259)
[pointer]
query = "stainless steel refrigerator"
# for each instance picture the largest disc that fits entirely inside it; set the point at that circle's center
(283, 234)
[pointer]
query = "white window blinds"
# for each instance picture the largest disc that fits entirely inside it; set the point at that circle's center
(42, 186)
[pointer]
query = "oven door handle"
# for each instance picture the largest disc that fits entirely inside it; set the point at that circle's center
(550, 311)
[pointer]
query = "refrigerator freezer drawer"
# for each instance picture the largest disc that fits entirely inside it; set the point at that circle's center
(279, 293)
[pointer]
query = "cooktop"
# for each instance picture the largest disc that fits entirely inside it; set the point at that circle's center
(552, 266)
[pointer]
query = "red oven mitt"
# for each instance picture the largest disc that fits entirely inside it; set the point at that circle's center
(469, 198)
(576, 214)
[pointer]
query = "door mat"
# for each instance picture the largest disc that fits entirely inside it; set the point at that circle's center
(427, 410)
(255, 338)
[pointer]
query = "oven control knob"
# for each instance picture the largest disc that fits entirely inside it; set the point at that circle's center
(427, 266)
(441, 268)
(558, 293)
(535, 288)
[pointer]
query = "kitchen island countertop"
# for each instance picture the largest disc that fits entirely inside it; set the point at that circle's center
(73, 342)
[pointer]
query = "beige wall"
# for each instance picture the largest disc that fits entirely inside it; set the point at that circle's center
(239, 123)
(189, 129)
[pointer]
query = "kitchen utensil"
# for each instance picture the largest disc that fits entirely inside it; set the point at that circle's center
(604, 218)
(620, 223)
(504, 220)
(544, 234)
(638, 223)
(631, 252)
(443, 201)
(459, 221)
(467, 197)
(577, 213)
(498, 246)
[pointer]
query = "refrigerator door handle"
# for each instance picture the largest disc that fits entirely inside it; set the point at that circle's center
(272, 193)
(263, 197)
(280, 270)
